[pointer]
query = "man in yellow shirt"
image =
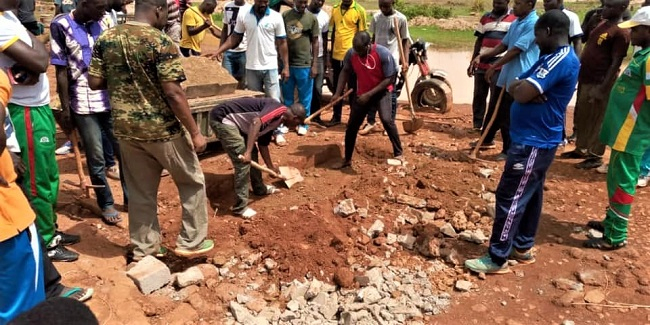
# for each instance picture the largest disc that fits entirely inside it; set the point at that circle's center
(348, 18)
(195, 22)
(20, 252)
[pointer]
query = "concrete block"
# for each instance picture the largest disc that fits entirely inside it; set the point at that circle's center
(150, 274)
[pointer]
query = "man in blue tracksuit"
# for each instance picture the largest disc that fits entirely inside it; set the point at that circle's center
(541, 95)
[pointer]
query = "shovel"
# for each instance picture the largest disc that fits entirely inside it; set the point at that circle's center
(415, 123)
(85, 187)
(472, 155)
(326, 107)
(290, 175)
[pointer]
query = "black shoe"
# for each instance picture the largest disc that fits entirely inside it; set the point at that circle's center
(318, 121)
(67, 239)
(575, 154)
(590, 163)
(62, 254)
(332, 123)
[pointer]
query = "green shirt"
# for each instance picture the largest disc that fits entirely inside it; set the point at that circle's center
(301, 29)
(626, 126)
(134, 59)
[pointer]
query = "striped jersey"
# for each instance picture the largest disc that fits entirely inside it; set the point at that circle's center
(492, 29)
(555, 76)
(626, 126)
(72, 47)
(243, 111)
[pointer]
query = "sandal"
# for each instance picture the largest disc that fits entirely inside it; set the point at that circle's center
(596, 225)
(76, 293)
(603, 244)
(111, 216)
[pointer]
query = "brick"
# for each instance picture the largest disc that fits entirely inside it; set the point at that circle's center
(206, 78)
(150, 274)
(192, 275)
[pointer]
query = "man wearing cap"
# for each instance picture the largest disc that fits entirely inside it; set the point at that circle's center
(626, 129)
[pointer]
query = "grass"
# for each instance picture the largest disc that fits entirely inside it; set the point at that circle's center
(444, 39)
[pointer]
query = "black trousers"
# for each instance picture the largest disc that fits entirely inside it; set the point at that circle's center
(358, 113)
(337, 67)
(502, 122)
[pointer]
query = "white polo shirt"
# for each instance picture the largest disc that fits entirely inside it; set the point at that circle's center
(11, 30)
(261, 35)
(324, 24)
(574, 24)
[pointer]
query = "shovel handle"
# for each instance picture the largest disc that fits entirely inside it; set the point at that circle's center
(264, 169)
(326, 107)
(404, 63)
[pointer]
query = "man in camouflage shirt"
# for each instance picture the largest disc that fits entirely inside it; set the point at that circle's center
(140, 67)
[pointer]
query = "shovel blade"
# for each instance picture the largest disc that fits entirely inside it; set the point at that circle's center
(292, 175)
(413, 125)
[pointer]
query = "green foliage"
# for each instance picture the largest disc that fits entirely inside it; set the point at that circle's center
(478, 6)
(426, 10)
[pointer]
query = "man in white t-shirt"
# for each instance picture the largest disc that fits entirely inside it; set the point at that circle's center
(264, 29)
(25, 59)
(575, 30)
(234, 60)
(382, 28)
(316, 8)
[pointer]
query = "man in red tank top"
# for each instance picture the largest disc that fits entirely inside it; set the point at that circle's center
(375, 71)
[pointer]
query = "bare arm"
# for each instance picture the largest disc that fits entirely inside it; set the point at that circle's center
(577, 45)
(193, 30)
(34, 58)
(266, 156)
(477, 46)
(509, 56)
(314, 53)
(494, 52)
(382, 85)
(232, 42)
(612, 73)
(178, 103)
(224, 34)
(523, 91)
(62, 87)
(281, 43)
(253, 132)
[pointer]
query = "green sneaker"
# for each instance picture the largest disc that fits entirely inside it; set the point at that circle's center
(206, 246)
(162, 251)
(525, 257)
(484, 264)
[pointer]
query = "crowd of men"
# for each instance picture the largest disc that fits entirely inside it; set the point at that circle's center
(119, 86)
(530, 87)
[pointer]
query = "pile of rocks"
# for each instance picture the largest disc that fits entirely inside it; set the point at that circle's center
(384, 295)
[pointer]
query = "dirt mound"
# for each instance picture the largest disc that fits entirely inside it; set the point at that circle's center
(458, 23)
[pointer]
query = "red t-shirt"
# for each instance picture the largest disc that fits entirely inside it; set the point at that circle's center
(373, 69)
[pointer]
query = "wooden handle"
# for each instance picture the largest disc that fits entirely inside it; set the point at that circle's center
(404, 63)
(77, 156)
(489, 125)
(326, 107)
(264, 169)
(211, 23)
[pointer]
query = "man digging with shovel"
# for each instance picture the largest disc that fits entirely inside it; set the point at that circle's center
(375, 71)
(240, 123)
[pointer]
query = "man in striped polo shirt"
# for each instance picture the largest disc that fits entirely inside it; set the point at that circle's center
(489, 32)
(73, 37)
(541, 95)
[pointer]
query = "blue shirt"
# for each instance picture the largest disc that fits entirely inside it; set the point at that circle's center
(522, 36)
(540, 124)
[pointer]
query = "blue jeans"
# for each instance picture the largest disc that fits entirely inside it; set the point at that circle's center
(90, 128)
(519, 199)
(300, 78)
(645, 163)
(235, 63)
(109, 153)
(264, 80)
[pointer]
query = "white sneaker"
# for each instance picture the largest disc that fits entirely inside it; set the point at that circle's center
(602, 169)
(367, 129)
(65, 149)
(283, 129)
(247, 213)
(643, 181)
(302, 130)
(280, 140)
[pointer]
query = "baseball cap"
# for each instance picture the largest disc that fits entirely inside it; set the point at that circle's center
(641, 17)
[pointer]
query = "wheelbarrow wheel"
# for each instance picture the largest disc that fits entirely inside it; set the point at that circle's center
(432, 95)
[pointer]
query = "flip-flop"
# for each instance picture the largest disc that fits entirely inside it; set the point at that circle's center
(596, 225)
(76, 293)
(111, 216)
(603, 244)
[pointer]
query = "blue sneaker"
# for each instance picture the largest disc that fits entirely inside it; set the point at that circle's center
(65, 149)
(484, 264)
